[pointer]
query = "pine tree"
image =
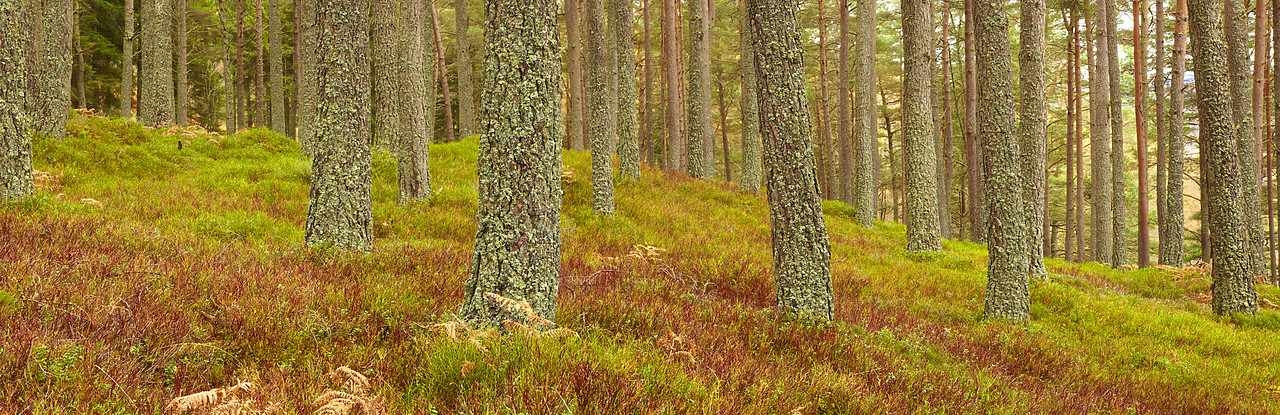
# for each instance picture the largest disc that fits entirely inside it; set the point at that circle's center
(864, 113)
(1234, 24)
(628, 146)
(155, 92)
(1140, 121)
(277, 69)
(15, 131)
(1119, 241)
(1032, 130)
(599, 126)
(1008, 289)
(844, 107)
(385, 62)
(801, 251)
(416, 104)
(466, 96)
(975, 169)
(1233, 289)
(339, 213)
(1171, 233)
(917, 123)
(1162, 132)
(1099, 149)
(572, 26)
(675, 151)
(180, 66)
(517, 244)
(751, 144)
(50, 98)
(126, 62)
(698, 128)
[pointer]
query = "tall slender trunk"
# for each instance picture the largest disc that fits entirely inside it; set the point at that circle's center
(1171, 236)
(628, 148)
(1008, 288)
(1236, 14)
(443, 76)
(126, 62)
(385, 61)
(79, 52)
(823, 104)
(466, 97)
(15, 133)
(304, 73)
(919, 171)
(572, 26)
(599, 126)
(1099, 148)
(1162, 139)
(260, 117)
(228, 77)
(1274, 110)
(973, 158)
(724, 127)
(801, 252)
(866, 179)
(1068, 23)
(647, 149)
(1120, 241)
(50, 93)
(155, 102)
(750, 108)
(944, 150)
(1079, 137)
(844, 107)
(698, 128)
(1032, 131)
(276, 64)
(1140, 124)
(180, 66)
(670, 54)
(416, 104)
(1233, 289)
(241, 95)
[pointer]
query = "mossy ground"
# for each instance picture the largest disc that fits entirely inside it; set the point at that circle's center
(193, 275)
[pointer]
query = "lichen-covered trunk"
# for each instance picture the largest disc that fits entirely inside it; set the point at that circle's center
(304, 72)
(822, 112)
(441, 73)
(242, 92)
(259, 80)
(126, 62)
(180, 57)
(1008, 294)
(15, 129)
(340, 206)
(1119, 242)
(698, 129)
(1171, 232)
(628, 144)
(647, 147)
(385, 62)
(1100, 235)
(1233, 289)
(517, 244)
(155, 87)
(466, 95)
(674, 154)
(416, 105)
(865, 181)
(1032, 132)
(572, 26)
(917, 127)
(599, 125)
(1162, 139)
(277, 69)
(50, 98)
(801, 251)
(750, 106)
(943, 91)
(1235, 25)
(844, 107)
(973, 158)
(228, 77)
(1069, 225)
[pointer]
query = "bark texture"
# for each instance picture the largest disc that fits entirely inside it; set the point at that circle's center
(384, 60)
(228, 77)
(1162, 138)
(1008, 294)
(864, 113)
(180, 57)
(517, 248)
(126, 62)
(1099, 149)
(1119, 242)
(623, 34)
(1032, 130)
(801, 251)
(698, 128)
(572, 27)
(600, 127)
(416, 105)
(1233, 289)
(466, 94)
(917, 128)
(675, 151)
(15, 131)
(155, 92)
(844, 107)
(276, 63)
(1171, 233)
(751, 144)
(51, 80)
(973, 157)
(339, 213)
(1235, 25)
(1140, 123)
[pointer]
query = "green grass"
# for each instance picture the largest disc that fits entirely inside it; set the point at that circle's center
(192, 275)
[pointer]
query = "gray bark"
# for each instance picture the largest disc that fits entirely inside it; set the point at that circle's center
(339, 212)
(155, 92)
(751, 144)
(1032, 130)
(917, 128)
(628, 145)
(15, 128)
(674, 154)
(1162, 139)
(466, 95)
(801, 251)
(844, 107)
(600, 127)
(180, 66)
(1119, 231)
(1099, 149)
(416, 104)
(1233, 289)
(126, 62)
(1171, 250)
(974, 160)
(1234, 24)
(698, 128)
(517, 244)
(864, 113)
(51, 81)
(572, 26)
(277, 68)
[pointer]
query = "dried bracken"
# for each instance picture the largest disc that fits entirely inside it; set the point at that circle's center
(518, 308)
(47, 181)
(218, 400)
(355, 400)
(647, 253)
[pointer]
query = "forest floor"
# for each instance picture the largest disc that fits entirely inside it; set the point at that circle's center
(140, 272)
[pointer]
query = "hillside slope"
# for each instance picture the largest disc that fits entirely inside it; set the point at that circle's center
(191, 275)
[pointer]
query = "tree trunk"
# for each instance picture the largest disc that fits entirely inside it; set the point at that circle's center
(646, 108)
(228, 78)
(944, 153)
(277, 70)
(180, 67)
(304, 73)
(1099, 149)
(444, 80)
(1233, 289)
(675, 140)
(51, 86)
(1069, 23)
(573, 20)
(517, 244)
(724, 126)
(698, 128)
(1008, 288)
(865, 180)
(341, 180)
(919, 171)
(844, 107)
(973, 156)
(801, 251)
(259, 82)
(79, 52)
(126, 62)
(385, 60)
(242, 97)
(1119, 231)
(1171, 233)
(821, 118)
(750, 107)
(623, 33)
(599, 125)
(1140, 123)
(1079, 137)
(466, 96)
(1162, 139)
(155, 102)
(1236, 15)
(416, 105)
(15, 134)
(1032, 131)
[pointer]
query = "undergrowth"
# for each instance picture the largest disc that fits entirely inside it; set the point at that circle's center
(188, 274)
